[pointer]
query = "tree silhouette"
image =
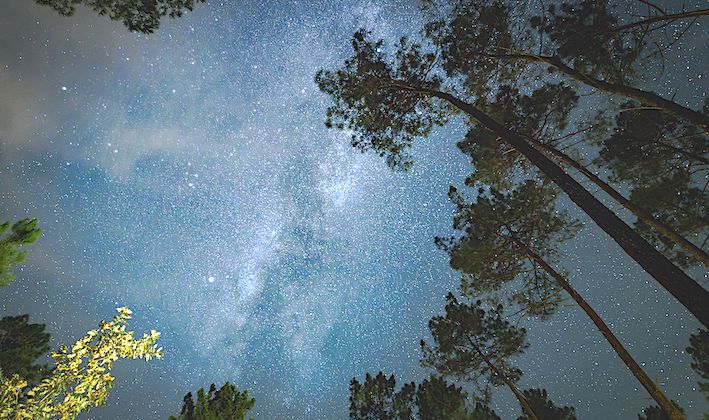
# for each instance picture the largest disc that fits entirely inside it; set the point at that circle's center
(437, 399)
(471, 341)
(485, 43)
(512, 238)
(499, 231)
(545, 408)
(386, 103)
(433, 399)
(378, 399)
(137, 15)
(21, 344)
(227, 403)
(662, 158)
(23, 232)
(699, 350)
(541, 118)
(587, 35)
(656, 413)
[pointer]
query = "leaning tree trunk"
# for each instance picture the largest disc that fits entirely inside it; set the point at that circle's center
(646, 97)
(642, 215)
(688, 292)
(627, 358)
(520, 397)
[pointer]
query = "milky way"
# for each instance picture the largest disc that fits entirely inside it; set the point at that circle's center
(188, 175)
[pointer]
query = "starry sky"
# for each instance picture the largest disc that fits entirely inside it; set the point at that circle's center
(188, 175)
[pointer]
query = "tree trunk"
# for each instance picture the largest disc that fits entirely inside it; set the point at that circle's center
(646, 97)
(641, 213)
(520, 397)
(634, 367)
(688, 292)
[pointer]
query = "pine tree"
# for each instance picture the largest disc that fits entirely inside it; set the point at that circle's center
(433, 399)
(661, 158)
(387, 103)
(437, 399)
(226, 403)
(512, 238)
(545, 408)
(699, 350)
(485, 43)
(499, 230)
(21, 344)
(667, 210)
(23, 232)
(378, 399)
(472, 341)
(137, 15)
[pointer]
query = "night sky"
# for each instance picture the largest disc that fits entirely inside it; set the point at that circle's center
(188, 175)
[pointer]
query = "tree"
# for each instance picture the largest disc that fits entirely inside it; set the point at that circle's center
(437, 399)
(387, 103)
(656, 413)
(378, 399)
(137, 15)
(545, 408)
(23, 232)
(227, 403)
(21, 344)
(470, 341)
(699, 350)
(541, 118)
(481, 42)
(82, 376)
(662, 158)
(498, 232)
(512, 238)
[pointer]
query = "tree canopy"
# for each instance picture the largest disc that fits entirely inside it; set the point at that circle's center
(23, 232)
(225, 403)
(137, 15)
(434, 398)
(21, 344)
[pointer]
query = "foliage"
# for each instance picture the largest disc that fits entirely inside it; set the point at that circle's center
(656, 413)
(471, 341)
(498, 230)
(582, 34)
(437, 399)
(21, 344)
(372, 100)
(23, 232)
(466, 34)
(227, 403)
(82, 376)
(137, 15)
(699, 350)
(541, 115)
(662, 159)
(544, 408)
(378, 399)
(434, 399)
